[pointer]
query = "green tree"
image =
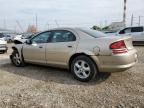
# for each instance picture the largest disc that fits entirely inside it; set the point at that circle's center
(96, 28)
(105, 28)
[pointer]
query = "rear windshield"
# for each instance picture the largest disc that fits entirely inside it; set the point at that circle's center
(93, 33)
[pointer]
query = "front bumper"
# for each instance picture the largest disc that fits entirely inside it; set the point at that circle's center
(3, 48)
(116, 63)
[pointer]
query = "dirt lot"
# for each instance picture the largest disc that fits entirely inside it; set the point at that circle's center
(44, 87)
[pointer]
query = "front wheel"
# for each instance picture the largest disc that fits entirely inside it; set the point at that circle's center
(2, 52)
(83, 68)
(16, 60)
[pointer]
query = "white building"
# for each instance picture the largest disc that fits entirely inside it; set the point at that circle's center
(115, 26)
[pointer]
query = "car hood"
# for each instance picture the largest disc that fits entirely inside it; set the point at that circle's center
(20, 41)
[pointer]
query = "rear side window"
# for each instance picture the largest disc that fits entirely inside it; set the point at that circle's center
(63, 36)
(137, 29)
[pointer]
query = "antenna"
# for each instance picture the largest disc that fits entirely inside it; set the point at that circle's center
(56, 23)
(4, 22)
(132, 18)
(36, 21)
(19, 25)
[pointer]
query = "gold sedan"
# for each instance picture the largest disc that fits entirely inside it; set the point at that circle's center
(84, 52)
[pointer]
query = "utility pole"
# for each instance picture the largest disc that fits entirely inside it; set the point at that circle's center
(4, 22)
(139, 23)
(124, 12)
(36, 21)
(48, 26)
(15, 29)
(56, 23)
(105, 23)
(19, 26)
(132, 18)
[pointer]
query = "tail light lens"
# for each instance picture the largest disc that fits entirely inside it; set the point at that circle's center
(118, 47)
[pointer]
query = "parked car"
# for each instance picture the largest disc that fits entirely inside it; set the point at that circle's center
(84, 52)
(23, 39)
(2, 36)
(8, 38)
(17, 37)
(3, 46)
(137, 34)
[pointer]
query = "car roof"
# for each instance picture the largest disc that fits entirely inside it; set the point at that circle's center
(134, 26)
(61, 28)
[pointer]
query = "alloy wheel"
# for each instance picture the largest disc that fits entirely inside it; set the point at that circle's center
(16, 59)
(82, 69)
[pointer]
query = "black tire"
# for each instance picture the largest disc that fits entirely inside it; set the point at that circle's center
(77, 70)
(2, 52)
(19, 63)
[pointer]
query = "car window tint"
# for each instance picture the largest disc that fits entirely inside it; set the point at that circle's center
(122, 32)
(128, 30)
(41, 38)
(63, 36)
(137, 29)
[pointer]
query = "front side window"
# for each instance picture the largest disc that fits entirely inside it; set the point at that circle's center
(41, 38)
(128, 30)
(63, 36)
(137, 29)
(122, 32)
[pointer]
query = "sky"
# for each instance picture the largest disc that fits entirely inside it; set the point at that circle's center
(70, 13)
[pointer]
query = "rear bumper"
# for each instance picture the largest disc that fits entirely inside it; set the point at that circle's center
(116, 63)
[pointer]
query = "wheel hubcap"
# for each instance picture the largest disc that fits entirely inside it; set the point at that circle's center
(82, 69)
(16, 59)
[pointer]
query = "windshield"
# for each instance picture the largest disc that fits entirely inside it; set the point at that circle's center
(28, 37)
(93, 33)
(1, 35)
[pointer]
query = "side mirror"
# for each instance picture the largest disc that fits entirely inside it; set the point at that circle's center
(28, 42)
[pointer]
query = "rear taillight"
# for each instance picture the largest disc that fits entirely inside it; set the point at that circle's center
(118, 47)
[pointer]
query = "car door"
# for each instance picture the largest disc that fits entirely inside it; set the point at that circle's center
(137, 33)
(63, 44)
(125, 32)
(35, 51)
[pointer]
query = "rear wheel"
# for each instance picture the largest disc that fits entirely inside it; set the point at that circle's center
(16, 60)
(83, 68)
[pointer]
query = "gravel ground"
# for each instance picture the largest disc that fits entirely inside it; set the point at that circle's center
(44, 87)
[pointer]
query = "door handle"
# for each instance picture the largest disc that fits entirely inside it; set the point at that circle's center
(69, 46)
(40, 46)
